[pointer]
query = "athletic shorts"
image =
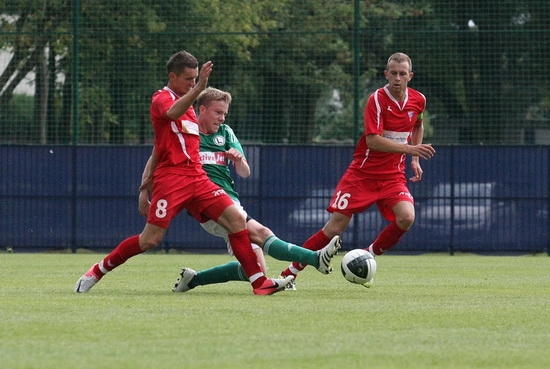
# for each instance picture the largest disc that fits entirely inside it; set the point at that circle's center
(353, 195)
(172, 193)
(217, 230)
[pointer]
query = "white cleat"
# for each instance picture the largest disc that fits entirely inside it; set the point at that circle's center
(326, 254)
(291, 286)
(272, 285)
(87, 281)
(182, 284)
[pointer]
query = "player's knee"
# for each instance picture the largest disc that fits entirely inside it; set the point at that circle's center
(233, 222)
(148, 243)
(332, 228)
(405, 221)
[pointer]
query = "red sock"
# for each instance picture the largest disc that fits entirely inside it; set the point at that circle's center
(316, 242)
(240, 243)
(124, 251)
(387, 238)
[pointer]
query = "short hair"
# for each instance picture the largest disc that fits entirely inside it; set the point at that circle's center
(210, 94)
(180, 61)
(399, 58)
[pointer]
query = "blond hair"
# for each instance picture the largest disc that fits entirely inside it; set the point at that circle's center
(210, 94)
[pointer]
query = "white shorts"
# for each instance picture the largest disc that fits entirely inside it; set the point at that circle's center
(217, 230)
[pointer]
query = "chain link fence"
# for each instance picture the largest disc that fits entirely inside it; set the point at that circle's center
(83, 71)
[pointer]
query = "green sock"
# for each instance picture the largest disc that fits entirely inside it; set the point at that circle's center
(282, 250)
(231, 271)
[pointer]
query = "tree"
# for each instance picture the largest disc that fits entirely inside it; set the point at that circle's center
(281, 59)
(30, 28)
(479, 62)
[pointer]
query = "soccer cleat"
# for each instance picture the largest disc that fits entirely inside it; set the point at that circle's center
(291, 286)
(272, 285)
(87, 281)
(369, 283)
(327, 253)
(183, 283)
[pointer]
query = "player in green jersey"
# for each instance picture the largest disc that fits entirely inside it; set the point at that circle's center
(218, 148)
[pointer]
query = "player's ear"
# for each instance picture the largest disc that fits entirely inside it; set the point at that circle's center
(411, 74)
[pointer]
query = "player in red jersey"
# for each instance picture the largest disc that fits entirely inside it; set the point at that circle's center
(179, 182)
(393, 129)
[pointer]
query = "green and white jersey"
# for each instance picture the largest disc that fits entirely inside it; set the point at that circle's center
(214, 160)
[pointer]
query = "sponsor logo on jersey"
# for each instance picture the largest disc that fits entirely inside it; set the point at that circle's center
(216, 158)
(399, 137)
(218, 192)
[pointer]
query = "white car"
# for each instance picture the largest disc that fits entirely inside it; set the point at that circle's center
(311, 215)
(468, 209)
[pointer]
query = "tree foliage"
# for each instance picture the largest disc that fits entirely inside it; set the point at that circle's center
(299, 70)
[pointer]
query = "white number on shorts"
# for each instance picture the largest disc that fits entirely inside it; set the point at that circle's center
(341, 201)
(161, 208)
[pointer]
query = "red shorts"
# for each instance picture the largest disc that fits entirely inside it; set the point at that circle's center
(173, 193)
(353, 195)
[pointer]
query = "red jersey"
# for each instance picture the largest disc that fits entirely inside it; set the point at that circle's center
(389, 118)
(176, 142)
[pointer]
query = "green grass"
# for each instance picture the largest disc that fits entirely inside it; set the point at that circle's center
(425, 311)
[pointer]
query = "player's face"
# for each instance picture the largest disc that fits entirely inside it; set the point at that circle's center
(211, 117)
(398, 76)
(184, 82)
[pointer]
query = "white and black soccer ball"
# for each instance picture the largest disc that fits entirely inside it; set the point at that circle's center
(358, 266)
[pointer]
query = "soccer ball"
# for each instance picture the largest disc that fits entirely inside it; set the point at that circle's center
(358, 266)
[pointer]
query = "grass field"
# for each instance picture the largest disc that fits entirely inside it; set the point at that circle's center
(425, 311)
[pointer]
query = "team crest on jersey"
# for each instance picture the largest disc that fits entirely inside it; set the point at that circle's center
(190, 127)
(411, 114)
(219, 140)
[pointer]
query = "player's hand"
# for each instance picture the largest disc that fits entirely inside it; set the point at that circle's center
(424, 151)
(234, 155)
(204, 73)
(144, 203)
(417, 171)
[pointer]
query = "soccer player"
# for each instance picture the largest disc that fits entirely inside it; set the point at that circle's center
(181, 183)
(392, 130)
(219, 147)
